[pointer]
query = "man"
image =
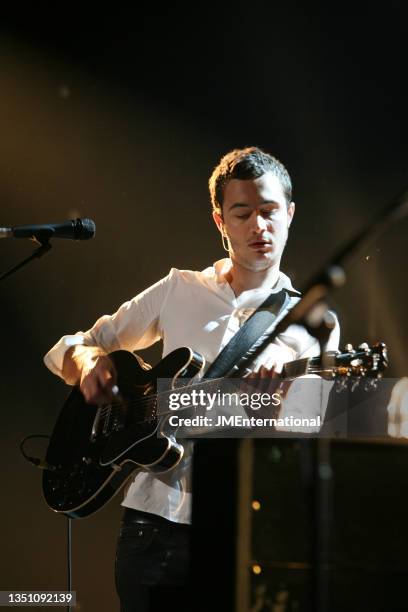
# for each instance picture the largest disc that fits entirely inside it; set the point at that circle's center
(251, 194)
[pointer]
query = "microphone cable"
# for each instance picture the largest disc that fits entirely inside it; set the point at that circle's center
(43, 465)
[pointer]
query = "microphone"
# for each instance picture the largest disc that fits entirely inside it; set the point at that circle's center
(74, 229)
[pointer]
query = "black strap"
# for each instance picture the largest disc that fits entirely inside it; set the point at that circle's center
(250, 332)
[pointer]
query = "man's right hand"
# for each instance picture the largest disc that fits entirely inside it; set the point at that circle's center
(93, 371)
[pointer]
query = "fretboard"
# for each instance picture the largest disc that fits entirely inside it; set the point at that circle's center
(292, 369)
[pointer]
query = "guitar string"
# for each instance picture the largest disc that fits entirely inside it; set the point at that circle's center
(145, 400)
(149, 400)
(207, 382)
(312, 368)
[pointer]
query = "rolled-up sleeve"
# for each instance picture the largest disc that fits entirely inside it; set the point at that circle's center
(134, 326)
(304, 345)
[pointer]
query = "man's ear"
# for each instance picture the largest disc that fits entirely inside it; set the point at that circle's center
(291, 212)
(218, 221)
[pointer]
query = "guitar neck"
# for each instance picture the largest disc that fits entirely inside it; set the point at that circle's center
(315, 365)
(300, 367)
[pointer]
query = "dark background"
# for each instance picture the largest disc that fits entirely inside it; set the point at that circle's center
(120, 115)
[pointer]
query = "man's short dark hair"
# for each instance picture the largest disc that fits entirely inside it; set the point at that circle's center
(245, 164)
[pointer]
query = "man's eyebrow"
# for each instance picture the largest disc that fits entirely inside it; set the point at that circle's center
(243, 205)
(239, 205)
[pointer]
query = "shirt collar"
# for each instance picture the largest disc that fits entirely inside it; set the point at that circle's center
(221, 268)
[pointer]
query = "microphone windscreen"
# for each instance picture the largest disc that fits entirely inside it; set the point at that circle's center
(84, 229)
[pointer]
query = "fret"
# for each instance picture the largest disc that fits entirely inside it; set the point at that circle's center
(292, 369)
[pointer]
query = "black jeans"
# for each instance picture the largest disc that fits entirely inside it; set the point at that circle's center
(152, 564)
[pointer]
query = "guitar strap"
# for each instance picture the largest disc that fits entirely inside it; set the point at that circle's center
(248, 334)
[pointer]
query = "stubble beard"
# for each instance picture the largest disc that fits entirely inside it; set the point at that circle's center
(253, 265)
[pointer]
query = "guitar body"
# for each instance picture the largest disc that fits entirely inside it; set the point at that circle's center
(94, 450)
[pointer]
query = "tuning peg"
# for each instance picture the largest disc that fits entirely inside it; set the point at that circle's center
(370, 384)
(348, 348)
(340, 384)
(364, 346)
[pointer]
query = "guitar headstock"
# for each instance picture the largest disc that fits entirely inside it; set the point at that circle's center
(365, 361)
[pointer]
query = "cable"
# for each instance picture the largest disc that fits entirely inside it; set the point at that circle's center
(40, 463)
(69, 557)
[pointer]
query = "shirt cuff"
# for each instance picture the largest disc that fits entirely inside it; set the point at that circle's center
(54, 359)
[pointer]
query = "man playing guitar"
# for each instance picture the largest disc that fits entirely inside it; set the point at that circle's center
(251, 194)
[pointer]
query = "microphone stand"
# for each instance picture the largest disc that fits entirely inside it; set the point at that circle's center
(44, 240)
(311, 313)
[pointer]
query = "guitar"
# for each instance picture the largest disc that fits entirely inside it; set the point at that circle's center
(93, 450)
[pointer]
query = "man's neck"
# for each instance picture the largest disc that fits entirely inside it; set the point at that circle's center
(242, 279)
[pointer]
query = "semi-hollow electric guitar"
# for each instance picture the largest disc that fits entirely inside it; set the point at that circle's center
(94, 449)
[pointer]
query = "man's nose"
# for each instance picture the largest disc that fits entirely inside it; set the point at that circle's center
(259, 223)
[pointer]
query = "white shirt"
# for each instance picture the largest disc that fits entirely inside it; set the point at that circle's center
(185, 308)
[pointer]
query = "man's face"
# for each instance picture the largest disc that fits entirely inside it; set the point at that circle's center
(256, 220)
